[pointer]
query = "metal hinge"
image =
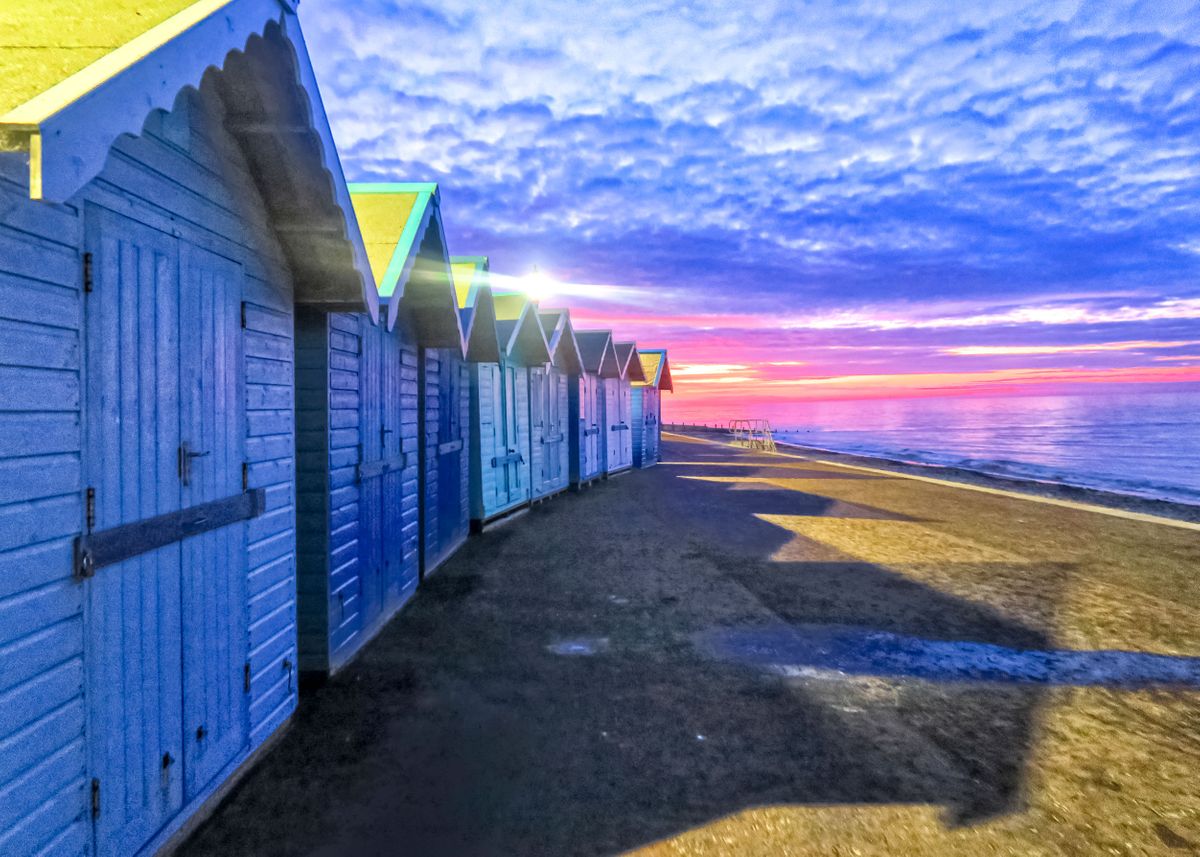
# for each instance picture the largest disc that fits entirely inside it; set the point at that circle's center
(87, 273)
(95, 798)
(243, 315)
(246, 677)
(245, 476)
(90, 508)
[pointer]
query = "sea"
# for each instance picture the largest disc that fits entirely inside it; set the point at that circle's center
(1144, 443)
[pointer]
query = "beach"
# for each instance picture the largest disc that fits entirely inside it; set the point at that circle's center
(742, 653)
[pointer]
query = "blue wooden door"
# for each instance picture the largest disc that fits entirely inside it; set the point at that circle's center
(372, 448)
(132, 428)
(537, 427)
(612, 429)
(452, 443)
(396, 573)
(650, 407)
(492, 447)
(591, 429)
(215, 611)
(516, 433)
(554, 432)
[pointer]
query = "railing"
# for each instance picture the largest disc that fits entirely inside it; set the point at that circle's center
(752, 434)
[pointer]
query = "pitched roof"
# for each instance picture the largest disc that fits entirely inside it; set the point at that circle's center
(402, 229)
(46, 42)
(560, 336)
(599, 358)
(656, 369)
(470, 275)
(627, 356)
(79, 75)
(520, 330)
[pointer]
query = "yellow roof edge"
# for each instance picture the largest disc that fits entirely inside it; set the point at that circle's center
(30, 115)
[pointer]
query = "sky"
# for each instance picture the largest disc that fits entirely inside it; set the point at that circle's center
(808, 199)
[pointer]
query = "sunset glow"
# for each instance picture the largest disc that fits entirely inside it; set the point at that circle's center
(850, 204)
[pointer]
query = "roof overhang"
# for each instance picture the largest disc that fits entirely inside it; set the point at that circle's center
(662, 368)
(479, 325)
(470, 275)
(273, 108)
(416, 281)
(523, 339)
(560, 335)
(596, 348)
(631, 364)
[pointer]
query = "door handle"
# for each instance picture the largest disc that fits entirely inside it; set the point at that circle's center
(186, 454)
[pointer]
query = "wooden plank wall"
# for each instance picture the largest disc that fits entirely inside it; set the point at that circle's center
(183, 176)
(440, 361)
(637, 414)
(312, 485)
(343, 585)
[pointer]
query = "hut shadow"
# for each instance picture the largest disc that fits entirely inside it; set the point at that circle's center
(561, 693)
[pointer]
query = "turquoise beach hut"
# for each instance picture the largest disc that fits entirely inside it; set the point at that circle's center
(501, 473)
(646, 409)
(618, 402)
(588, 449)
(360, 413)
(549, 449)
(170, 198)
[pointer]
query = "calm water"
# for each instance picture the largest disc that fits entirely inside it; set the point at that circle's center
(1142, 443)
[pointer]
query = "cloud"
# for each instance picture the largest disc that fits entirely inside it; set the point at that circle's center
(851, 172)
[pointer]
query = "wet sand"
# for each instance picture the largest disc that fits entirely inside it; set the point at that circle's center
(738, 653)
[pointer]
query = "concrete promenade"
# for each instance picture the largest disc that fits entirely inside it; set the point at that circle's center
(739, 653)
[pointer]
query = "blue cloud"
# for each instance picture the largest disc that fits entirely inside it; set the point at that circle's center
(847, 155)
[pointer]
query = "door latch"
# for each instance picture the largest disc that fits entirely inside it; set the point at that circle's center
(186, 454)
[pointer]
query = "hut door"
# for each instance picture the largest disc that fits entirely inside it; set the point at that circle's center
(552, 461)
(215, 611)
(516, 441)
(132, 430)
(591, 416)
(450, 451)
(626, 433)
(537, 424)
(649, 425)
(612, 418)
(391, 442)
(372, 446)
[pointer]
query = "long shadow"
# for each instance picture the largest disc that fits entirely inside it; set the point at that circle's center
(549, 691)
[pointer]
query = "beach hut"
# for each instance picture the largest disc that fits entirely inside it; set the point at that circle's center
(169, 194)
(360, 450)
(617, 409)
(646, 408)
(501, 474)
(586, 406)
(548, 404)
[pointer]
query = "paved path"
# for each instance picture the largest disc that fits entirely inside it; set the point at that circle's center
(735, 653)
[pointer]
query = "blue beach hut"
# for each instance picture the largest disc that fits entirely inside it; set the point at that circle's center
(548, 404)
(501, 474)
(617, 409)
(169, 194)
(359, 450)
(586, 406)
(646, 409)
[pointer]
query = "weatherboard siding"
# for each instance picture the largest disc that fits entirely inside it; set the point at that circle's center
(359, 548)
(185, 178)
(447, 420)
